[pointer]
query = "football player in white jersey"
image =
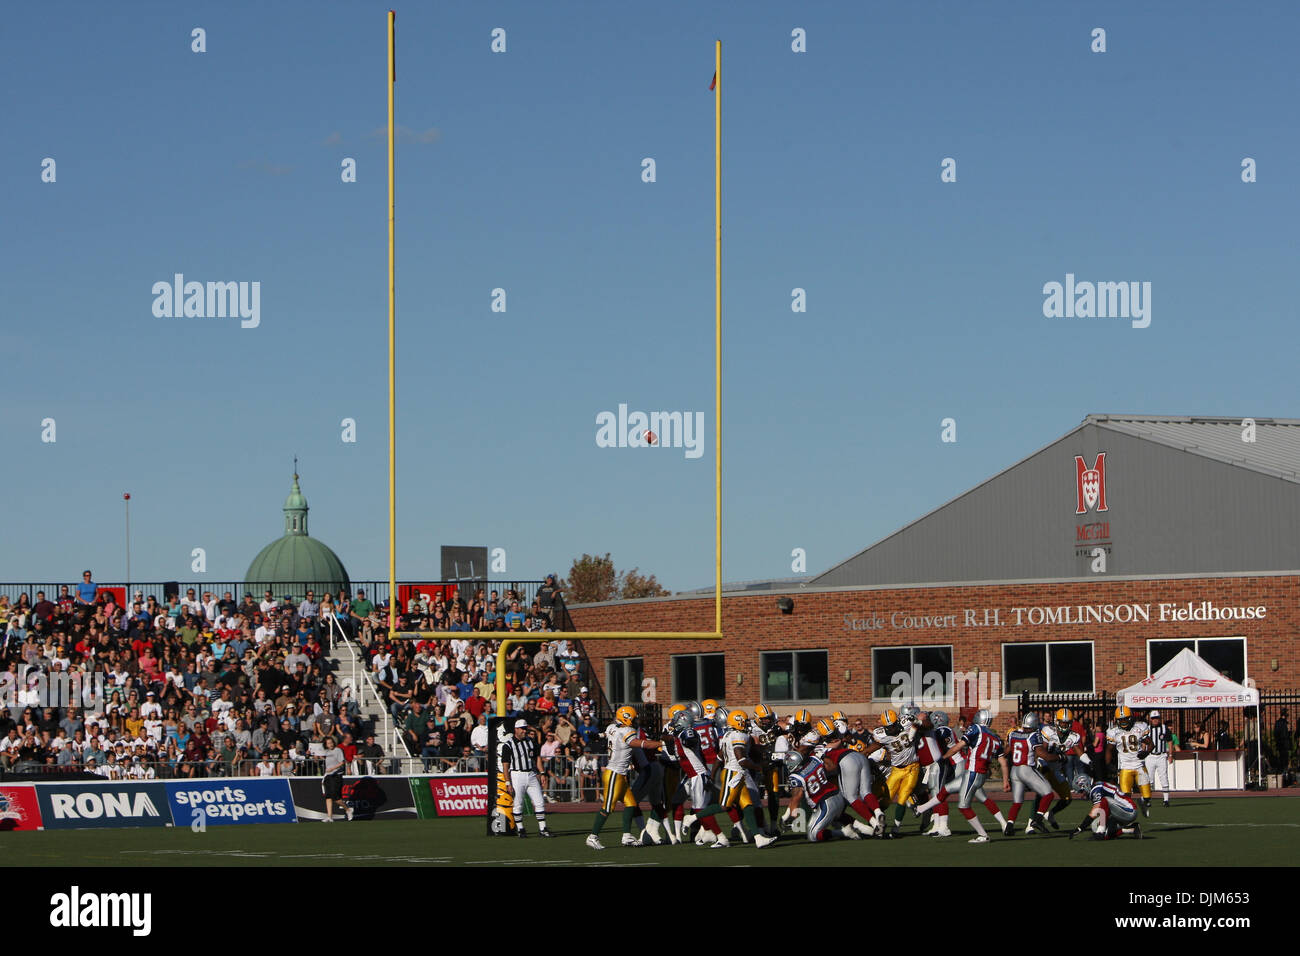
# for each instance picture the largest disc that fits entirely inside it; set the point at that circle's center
(622, 738)
(897, 738)
(1061, 739)
(738, 783)
(1130, 739)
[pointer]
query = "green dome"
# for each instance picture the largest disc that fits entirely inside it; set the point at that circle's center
(288, 563)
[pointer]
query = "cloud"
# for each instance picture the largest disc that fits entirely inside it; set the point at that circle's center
(271, 169)
(333, 139)
(407, 135)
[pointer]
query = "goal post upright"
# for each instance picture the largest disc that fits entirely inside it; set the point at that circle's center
(716, 634)
(392, 334)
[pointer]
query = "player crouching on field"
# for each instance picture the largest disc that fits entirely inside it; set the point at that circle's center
(1112, 812)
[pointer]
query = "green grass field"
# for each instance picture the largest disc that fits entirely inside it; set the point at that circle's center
(1240, 831)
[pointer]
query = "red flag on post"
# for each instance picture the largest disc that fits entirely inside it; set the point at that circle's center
(714, 81)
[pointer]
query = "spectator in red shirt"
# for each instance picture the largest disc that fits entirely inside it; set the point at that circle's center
(476, 705)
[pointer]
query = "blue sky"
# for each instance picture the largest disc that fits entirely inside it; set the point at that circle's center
(522, 171)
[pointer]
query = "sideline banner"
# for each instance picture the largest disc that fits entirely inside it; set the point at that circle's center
(112, 803)
(452, 795)
(19, 809)
(371, 798)
(232, 800)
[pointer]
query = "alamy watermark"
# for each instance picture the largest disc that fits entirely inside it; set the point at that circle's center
(1100, 300)
(937, 690)
(651, 430)
(213, 300)
(59, 689)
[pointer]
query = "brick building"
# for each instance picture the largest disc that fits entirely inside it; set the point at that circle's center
(1080, 569)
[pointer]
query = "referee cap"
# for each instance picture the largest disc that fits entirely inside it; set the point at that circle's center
(1154, 713)
(520, 723)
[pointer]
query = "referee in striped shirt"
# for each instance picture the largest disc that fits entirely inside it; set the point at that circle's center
(521, 760)
(1157, 762)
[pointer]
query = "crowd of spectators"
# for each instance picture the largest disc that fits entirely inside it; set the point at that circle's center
(194, 687)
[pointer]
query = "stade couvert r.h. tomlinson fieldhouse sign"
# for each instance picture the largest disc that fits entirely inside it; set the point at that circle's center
(1057, 615)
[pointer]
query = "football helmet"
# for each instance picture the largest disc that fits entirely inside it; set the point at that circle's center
(1083, 783)
(764, 716)
(1124, 717)
(911, 713)
(938, 718)
(1064, 720)
(737, 719)
(625, 716)
(889, 720)
(826, 728)
(709, 708)
(792, 759)
(695, 709)
(810, 739)
(801, 722)
(983, 716)
(838, 716)
(1029, 721)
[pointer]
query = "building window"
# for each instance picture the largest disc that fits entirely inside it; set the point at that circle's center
(1057, 667)
(699, 676)
(790, 676)
(1227, 655)
(623, 680)
(889, 661)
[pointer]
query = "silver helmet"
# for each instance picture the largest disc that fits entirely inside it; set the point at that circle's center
(911, 713)
(1082, 783)
(983, 716)
(1029, 721)
(938, 718)
(792, 760)
(720, 718)
(694, 709)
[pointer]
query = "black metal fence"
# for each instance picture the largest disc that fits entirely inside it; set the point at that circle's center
(1229, 728)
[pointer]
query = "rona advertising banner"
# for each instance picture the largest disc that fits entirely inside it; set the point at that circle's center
(113, 803)
(19, 809)
(232, 800)
(453, 795)
(371, 798)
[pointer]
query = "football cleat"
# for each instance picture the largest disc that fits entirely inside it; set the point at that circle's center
(721, 843)
(978, 839)
(864, 829)
(1010, 829)
(848, 833)
(704, 837)
(761, 841)
(520, 833)
(1137, 830)
(1124, 717)
(630, 840)
(625, 716)
(546, 833)
(593, 841)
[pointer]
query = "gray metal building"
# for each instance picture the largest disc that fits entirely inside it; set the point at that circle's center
(1129, 495)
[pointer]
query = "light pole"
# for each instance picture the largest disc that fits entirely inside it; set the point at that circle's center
(127, 499)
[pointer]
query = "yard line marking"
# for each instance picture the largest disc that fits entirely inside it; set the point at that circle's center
(1170, 823)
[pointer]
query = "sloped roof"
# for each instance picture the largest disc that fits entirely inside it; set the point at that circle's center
(1275, 450)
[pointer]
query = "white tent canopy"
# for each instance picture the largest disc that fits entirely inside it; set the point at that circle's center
(1188, 681)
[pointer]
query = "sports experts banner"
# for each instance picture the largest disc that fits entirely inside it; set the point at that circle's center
(237, 800)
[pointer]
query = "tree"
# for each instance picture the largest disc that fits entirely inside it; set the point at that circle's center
(593, 579)
(634, 585)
